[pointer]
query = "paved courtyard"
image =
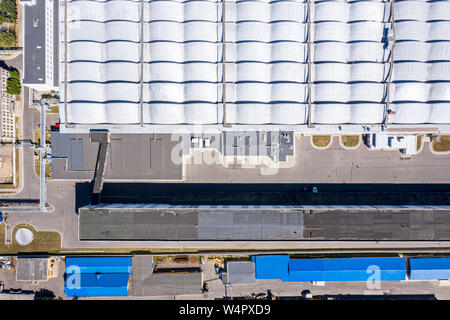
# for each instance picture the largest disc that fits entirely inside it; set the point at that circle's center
(333, 165)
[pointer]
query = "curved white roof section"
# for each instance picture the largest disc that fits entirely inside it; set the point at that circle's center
(356, 113)
(356, 72)
(168, 68)
(103, 52)
(348, 93)
(422, 10)
(98, 11)
(422, 51)
(348, 12)
(348, 32)
(420, 89)
(266, 11)
(180, 11)
(96, 31)
(329, 51)
(422, 30)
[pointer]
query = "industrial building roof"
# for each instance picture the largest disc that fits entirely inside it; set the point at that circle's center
(41, 62)
(146, 283)
(276, 63)
(98, 265)
(271, 267)
(97, 276)
(241, 272)
(135, 223)
(345, 269)
(32, 269)
(430, 269)
(130, 156)
(34, 43)
(98, 285)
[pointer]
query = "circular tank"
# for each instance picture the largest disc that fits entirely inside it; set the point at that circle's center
(24, 236)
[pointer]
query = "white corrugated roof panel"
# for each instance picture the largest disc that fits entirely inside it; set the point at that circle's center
(168, 68)
(420, 81)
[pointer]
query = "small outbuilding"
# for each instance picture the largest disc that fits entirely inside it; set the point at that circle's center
(241, 272)
(32, 269)
(97, 276)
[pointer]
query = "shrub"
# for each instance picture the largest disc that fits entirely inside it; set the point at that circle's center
(13, 83)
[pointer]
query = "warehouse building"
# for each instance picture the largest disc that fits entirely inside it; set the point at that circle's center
(241, 272)
(339, 269)
(32, 269)
(128, 222)
(322, 66)
(97, 276)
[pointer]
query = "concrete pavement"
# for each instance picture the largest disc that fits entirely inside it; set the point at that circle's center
(334, 165)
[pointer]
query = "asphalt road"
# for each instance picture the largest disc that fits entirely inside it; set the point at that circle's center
(273, 194)
(29, 181)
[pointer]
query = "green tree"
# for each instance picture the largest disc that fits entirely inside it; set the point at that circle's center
(8, 11)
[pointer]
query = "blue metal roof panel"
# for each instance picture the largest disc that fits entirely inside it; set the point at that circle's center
(430, 269)
(97, 292)
(364, 263)
(271, 267)
(346, 269)
(364, 275)
(99, 285)
(98, 265)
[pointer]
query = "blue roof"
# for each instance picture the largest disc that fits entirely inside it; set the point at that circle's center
(345, 269)
(97, 285)
(430, 269)
(271, 267)
(98, 265)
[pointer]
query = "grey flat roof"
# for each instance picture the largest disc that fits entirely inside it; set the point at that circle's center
(130, 156)
(34, 43)
(145, 283)
(32, 269)
(139, 225)
(264, 224)
(378, 225)
(144, 224)
(241, 272)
